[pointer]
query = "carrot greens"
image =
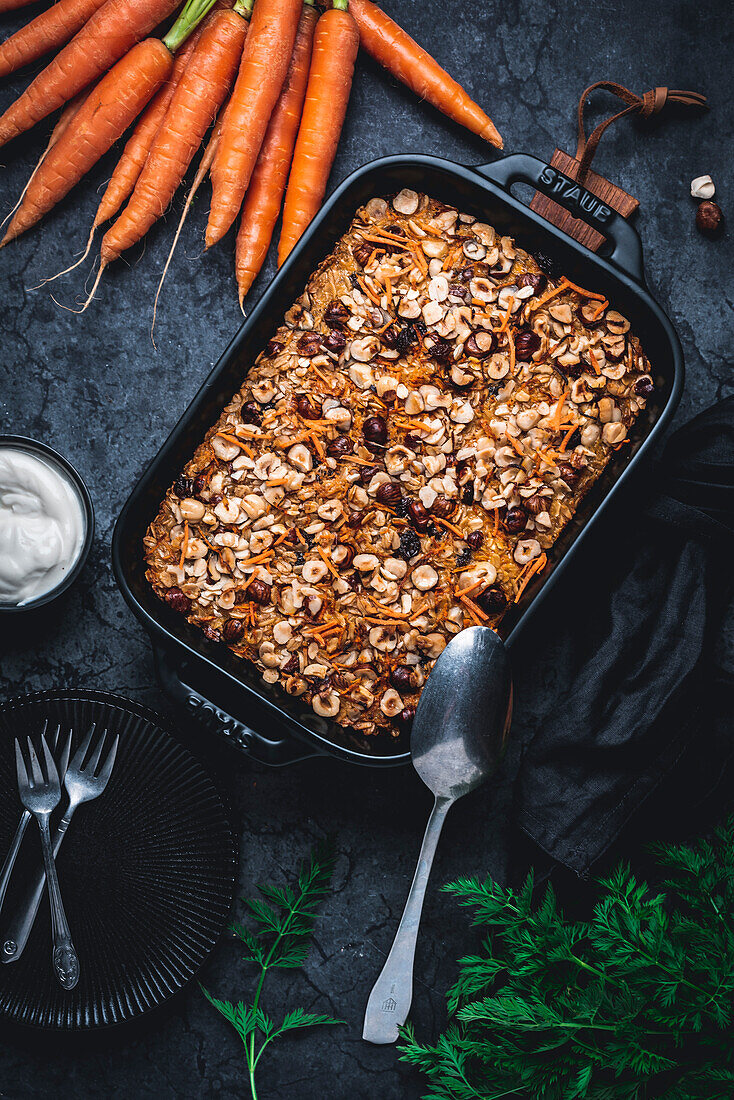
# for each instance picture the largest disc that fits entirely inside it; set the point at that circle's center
(282, 926)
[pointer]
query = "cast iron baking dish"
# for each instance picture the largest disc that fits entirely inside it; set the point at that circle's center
(227, 693)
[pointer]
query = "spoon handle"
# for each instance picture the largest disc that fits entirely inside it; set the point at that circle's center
(389, 1001)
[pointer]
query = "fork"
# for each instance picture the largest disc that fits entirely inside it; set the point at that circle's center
(7, 867)
(41, 795)
(82, 785)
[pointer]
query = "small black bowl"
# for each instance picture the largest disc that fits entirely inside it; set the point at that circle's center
(53, 458)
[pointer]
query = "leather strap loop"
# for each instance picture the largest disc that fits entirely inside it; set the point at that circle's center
(651, 103)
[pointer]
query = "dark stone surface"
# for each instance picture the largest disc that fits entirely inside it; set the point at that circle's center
(94, 387)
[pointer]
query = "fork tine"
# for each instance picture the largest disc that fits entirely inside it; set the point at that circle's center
(106, 769)
(94, 758)
(64, 758)
(51, 772)
(81, 752)
(35, 766)
(20, 765)
(56, 737)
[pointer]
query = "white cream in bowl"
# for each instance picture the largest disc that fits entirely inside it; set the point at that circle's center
(42, 526)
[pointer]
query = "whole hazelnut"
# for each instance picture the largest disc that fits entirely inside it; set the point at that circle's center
(535, 504)
(492, 600)
(515, 520)
(526, 344)
(309, 343)
(443, 507)
(362, 253)
(307, 410)
(389, 493)
(366, 473)
(336, 313)
(406, 716)
(418, 516)
(374, 431)
(708, 217)
(340, 446)
(336, 341)
(259, 591)
(570, 474)
(475, 540)
(233, 631)
(401, 678)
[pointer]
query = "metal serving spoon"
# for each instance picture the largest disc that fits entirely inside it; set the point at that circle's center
(457, 741)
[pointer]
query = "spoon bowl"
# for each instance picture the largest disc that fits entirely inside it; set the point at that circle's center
(459, 730)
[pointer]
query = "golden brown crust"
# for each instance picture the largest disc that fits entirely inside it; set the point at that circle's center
(398, 461)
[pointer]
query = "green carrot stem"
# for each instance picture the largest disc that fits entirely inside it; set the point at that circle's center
(192, 14)
(340, 5)
(244, 8)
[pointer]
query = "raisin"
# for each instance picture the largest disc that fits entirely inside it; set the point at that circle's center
(410, 546)
(178, 601)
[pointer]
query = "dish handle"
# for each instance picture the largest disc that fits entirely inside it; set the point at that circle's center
(274, 752)
(523, 168)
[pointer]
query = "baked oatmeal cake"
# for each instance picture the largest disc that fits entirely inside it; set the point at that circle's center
(399, 460)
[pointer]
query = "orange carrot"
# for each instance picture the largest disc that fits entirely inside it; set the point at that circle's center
(265, 62)
(136, 150)
(196, 100)
(329, 82)
(201, 173)
(105, 115)
(265, 193)
(47, 32)
(408, 62)
(111, 32)
(62, 122)
(134, 154)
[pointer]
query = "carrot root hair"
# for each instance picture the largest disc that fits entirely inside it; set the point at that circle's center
(90, 296)
(71, 267)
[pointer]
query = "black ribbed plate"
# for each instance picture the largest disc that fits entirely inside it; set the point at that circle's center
(146, 871)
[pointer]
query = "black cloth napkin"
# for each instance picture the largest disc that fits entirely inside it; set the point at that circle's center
(626, 655)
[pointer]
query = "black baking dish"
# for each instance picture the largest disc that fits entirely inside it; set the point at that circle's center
(227, 693)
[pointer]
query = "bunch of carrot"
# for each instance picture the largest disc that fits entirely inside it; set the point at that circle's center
(270, 77)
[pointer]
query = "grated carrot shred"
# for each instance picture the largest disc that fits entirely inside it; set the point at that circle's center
(474, 608)
(468, 591)
(555, 420)
(230, 439)
(506, 318)
(599, 310)
(449, 526)
(563, 285)
(594, 361)
(584, 293)
(257, 559)
(327, 563)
